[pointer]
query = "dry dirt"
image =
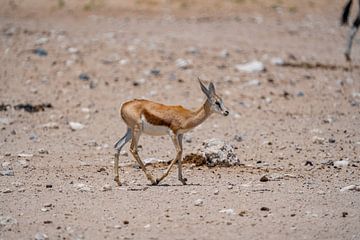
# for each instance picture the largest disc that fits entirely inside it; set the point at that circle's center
(295, 120)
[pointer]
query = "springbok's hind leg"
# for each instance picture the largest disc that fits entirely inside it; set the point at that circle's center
(133, 149)
(351, 36)
(118, 146)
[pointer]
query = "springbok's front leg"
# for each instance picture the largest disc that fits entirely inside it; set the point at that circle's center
(180, 177)
(133, 149)
(177, 140)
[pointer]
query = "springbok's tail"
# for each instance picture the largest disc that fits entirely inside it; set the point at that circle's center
(346, 12)
(122, 141)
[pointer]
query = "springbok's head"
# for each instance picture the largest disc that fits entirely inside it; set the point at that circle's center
(215, 101)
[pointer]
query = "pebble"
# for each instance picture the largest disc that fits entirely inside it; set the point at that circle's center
(224, 53)
(183, 63)
(350, 188)
(229, 211)
(318, 140)
(7, 190)
(264, 179)
(332, 140)
(72, 50)
(76, 126)
(250, 67)
(82, 187)
(238, 138)
(277, 61)
(265, 209)
(25, 155)
(342, 163)
(50, 125)
(139, 82)
(41, 41)
(84, 77)
(41, 236)
(155, 71)
(40, 52)
(253, 82)
(43, 151)
(7, 172)
(106, 187)
(199, 202)
(300, 94)
(216, 192)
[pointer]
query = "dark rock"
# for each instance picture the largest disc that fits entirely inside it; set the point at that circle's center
(265, 209)
(332, 140)
(264, 179)
(84, 77)
(310, 163)
(40, 52)
(33, 108)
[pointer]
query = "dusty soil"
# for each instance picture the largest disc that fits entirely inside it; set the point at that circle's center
(295, 120)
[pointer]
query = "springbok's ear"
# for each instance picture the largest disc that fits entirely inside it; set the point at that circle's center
(204, 89)
(211, 88)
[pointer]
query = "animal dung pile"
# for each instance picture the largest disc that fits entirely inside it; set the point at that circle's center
(213, 152)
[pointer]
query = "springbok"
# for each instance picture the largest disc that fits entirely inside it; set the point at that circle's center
(143, 116)
(354, 28)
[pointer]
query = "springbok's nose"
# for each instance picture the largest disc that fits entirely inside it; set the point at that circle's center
(226, 113)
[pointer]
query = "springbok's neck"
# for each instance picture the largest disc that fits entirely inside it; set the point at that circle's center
(200, 115)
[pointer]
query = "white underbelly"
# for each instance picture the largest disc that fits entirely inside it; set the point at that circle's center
(153, 130)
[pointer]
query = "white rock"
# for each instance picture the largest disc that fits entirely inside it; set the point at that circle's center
(72, 50)
(106, 187)
(350, 188)
(7, 172)
(218, 152)
(224, 53)
(199, 202)
(318, 140)
(342, 163)
(277, 61)
(7, 190)
(82, 187)
(229, 211)
(76, 126)
(147, 226)
(183, 63)
(253, 82)
(7, 220)
(50, 125)
(41, 236)
(149, 161)
(251, 67)
(25, 155)
(5, 121)
(41, 41)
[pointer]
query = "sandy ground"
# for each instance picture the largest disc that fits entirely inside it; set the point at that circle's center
(295, 121)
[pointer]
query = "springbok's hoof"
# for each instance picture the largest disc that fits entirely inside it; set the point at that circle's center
(117, 180)
(183, 181)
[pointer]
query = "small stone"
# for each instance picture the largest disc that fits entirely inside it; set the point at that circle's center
(250, 67)
(332, 140)
(310, 163)
(41, 41)
(117, 226)
(264, 179)
(47, 222)
(350, 188)
(238, 138)
(72, 50)
(7, 190)
(50, 125)
(342, 163)
(139, 82)
(43, 151)
(147, 226)
(76, 126)
(265, 209)
(230, 187)
(48, 185)
(41, 236)
(199, 202)
(106, 187)
(300, 94)
(183, 63)
(253, 82)
(7, 172)
(82, 187)
(44, 209)
(25, 155)
(344, 214)
(224, 53)
(126, 222)
(48, 205)
(84, 77)
(40, 52)
(216, 192)
(155, 72)
(229, 211)
(277, 61)
(318, 140)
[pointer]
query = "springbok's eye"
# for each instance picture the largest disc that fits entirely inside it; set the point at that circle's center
(218, 104)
